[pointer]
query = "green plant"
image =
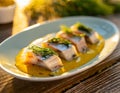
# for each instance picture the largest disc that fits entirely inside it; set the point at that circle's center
(115, 4)
(48, 9)
(82, 7)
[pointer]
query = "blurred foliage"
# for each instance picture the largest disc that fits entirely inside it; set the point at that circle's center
(83, 7)
(6, 2)
(115, 4)
(49, 9)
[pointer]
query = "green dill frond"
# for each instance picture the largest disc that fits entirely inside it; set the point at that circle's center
(59, 41)
(82, 27)
(41, 51)
(65, 29)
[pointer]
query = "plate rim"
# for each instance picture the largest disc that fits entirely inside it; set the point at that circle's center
(60, 76)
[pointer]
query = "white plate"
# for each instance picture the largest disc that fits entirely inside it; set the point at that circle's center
(11, 46)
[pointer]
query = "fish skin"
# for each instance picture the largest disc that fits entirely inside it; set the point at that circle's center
(91, 37)
(68, 52)
(52, 63)
(77, 41)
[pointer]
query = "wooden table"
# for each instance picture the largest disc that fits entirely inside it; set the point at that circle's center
(102, 78)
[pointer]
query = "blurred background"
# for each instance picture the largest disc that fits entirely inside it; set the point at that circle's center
(29, 12)
(42, 10)
(50, 9)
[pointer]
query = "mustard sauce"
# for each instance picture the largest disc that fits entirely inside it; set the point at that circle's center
(34, 70)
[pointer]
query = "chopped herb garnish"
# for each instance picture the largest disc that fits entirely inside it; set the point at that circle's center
(60, 41)
(66, 29)
(69, 31)
(44, 52)
(83, 28)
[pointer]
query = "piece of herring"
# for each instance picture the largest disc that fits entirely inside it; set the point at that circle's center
(78, 41)
(63, 47)
(90, 35)
(36, 55)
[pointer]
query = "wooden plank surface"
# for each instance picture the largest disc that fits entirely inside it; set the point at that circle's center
(5, 31)
(107, 81)
(102, 78)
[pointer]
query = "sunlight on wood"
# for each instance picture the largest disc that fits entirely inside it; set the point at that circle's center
(19, 14)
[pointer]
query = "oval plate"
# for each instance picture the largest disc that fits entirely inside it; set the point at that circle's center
(11, 46)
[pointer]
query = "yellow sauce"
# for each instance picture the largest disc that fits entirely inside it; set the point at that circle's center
(35, 70)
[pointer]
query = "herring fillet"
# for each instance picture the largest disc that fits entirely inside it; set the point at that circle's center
(52, 62)
(78, 41)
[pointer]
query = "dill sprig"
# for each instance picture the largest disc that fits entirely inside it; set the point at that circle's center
(44, 52)
(82, 27)
(60, 41)
(66, 29)
(69, 31)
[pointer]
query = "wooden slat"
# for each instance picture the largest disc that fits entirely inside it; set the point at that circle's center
(4, 33)
(106, 82)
